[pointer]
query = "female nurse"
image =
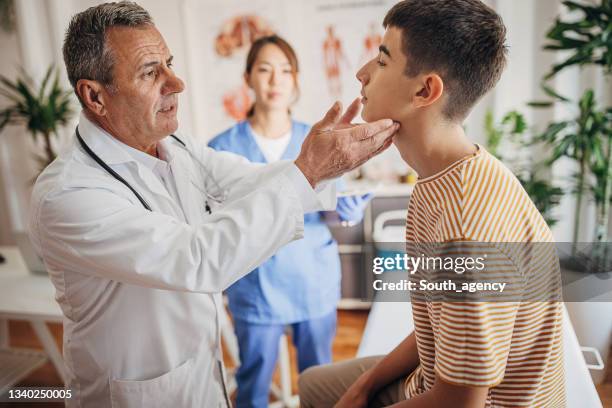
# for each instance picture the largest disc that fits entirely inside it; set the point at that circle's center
(300, 285)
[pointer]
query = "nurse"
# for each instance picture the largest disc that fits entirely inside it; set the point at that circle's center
(300, 284)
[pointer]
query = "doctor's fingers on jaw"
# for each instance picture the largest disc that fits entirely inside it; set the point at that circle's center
(355, 153)
(363, 148)
(379, 139)
(374, 152)
(366, 131)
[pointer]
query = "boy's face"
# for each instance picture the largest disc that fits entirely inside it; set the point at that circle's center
(386, 90)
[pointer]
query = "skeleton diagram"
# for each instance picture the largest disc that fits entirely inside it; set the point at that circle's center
(371, 42)
(332, 57)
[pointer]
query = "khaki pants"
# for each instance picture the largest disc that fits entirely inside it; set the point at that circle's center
(323, 386)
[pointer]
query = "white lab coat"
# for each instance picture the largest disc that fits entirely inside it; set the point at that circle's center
(141, 290)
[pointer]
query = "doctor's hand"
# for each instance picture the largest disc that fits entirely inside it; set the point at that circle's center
(335, 145)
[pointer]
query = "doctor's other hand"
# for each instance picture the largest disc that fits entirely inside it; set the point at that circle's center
(335, 145)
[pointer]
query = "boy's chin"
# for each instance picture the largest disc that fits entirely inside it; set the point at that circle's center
(368, 116)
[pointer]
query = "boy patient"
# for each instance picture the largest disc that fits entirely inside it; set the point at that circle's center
(437, 59)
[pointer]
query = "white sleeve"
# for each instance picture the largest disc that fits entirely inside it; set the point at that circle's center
(98, 232)
(238, 175)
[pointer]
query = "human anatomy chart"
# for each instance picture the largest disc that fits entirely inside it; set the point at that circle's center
(332, 39)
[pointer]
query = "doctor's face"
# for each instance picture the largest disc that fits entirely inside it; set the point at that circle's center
(143, 100)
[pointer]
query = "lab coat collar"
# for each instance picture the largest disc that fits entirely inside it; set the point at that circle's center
(102, 143)
(144, 158)
(113, 151)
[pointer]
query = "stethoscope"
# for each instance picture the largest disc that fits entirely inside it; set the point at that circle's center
(218, 198)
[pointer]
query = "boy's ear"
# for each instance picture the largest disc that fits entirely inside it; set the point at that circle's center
(93, 96)
(431, 90)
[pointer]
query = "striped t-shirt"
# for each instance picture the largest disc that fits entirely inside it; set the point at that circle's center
(512, 347)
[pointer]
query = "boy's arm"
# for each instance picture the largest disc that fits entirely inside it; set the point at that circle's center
(444, 394)
(399, 362)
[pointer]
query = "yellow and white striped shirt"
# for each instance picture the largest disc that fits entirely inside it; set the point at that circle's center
(514, 348)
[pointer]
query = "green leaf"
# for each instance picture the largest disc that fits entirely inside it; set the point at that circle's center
(552, 93)
(549, 135)
(589, 37)
(561, 149)
(540, 104)
(577, 58)
(566, 43)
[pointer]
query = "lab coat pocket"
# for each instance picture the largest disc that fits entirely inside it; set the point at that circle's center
(169, 389)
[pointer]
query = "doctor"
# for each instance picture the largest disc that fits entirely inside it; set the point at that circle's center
(141, 231)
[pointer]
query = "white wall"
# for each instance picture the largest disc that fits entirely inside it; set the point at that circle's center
(8, 174)
(41, 26)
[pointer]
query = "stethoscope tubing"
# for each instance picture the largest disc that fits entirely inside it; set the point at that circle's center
(113, 173)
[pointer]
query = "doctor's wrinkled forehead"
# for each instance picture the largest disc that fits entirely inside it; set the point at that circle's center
(461, 40)
(86, 54)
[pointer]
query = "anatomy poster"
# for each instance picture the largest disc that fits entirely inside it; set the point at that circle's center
(345, 35)
(332, 39)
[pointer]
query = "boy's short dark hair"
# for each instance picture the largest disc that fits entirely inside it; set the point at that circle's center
(462, 40)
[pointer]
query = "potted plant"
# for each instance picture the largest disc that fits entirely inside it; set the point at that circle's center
(42, 111)
(513, 128)
(587, 139)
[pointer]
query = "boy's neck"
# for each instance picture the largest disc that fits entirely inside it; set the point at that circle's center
(270, 124)
(429, 149)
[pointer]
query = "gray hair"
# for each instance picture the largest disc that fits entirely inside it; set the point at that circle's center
(86, 53)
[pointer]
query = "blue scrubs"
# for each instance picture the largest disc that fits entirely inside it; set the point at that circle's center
(298, 286)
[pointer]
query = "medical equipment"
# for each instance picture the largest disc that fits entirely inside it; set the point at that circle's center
(390, 240)
(219, 198)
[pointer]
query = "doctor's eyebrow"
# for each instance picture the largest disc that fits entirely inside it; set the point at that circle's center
(384, 50)
(153, 63)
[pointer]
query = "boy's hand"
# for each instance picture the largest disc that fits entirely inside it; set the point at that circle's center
(357, 395)
(353, 399)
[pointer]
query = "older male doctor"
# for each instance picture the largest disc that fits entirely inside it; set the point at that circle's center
(142, 229)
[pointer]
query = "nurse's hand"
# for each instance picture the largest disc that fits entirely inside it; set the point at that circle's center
(351, 208)
(335, 146)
